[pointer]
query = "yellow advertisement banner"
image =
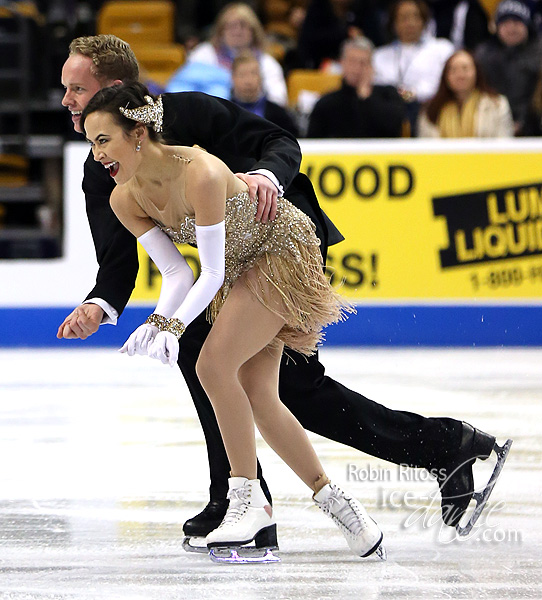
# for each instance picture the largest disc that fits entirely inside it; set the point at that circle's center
(434, 225)
(424, 226)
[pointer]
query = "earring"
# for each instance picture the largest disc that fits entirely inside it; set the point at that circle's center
(138, 147)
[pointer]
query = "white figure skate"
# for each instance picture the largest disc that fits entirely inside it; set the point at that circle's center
(249, 520)
(361, 532)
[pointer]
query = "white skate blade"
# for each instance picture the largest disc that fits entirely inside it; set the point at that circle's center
(243, 555)
(195, 544)
(482, 497)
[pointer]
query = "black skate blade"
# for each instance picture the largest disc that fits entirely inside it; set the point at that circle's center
(243, 555)
(482, 497)
(195, 544)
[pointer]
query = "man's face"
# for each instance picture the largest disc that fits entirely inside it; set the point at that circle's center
(512, 32)
(247, 81)
(356, 66)
(80, 85)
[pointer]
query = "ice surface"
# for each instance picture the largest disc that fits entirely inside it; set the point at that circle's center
(102, 460)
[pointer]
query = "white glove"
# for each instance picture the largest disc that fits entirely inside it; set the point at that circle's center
(165, 348)
(139, 341)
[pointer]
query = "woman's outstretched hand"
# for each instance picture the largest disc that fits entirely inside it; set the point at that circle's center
(165, 348)
(140, 340)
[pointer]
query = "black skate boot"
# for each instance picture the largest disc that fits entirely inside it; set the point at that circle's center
(197, 528)
(456, 481)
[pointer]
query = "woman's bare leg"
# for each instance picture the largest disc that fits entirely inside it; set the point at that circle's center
(234, 356)
(278, 426)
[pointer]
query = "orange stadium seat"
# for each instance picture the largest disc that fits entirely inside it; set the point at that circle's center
(13, 170)
(138, 21)
(311, 80)
(159, 62)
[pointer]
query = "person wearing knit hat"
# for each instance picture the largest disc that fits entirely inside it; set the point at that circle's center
(513, 9)
(511, 60)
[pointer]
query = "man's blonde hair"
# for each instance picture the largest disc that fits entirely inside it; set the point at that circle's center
(112, 57)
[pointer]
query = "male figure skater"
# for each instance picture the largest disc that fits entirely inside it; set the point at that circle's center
(267, 158)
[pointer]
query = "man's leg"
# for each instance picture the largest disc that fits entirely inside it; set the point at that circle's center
(219, 466)
(330, 409)
(447, 447)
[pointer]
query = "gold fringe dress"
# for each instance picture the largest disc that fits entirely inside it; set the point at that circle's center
(285, 253)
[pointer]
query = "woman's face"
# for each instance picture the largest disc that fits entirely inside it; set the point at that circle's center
(461, 74)
(408, 23)
(237, 32)
(112, 147)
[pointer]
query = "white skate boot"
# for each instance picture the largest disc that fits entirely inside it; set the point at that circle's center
(249, 518)
(361, 532)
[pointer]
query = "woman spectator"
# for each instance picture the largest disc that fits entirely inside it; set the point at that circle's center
(414, 61)
(464, 105)
(238, 28)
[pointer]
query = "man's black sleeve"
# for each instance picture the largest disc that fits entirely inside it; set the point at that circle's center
(116, 248)
(243, 140)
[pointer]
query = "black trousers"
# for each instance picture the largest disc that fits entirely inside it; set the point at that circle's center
(328, 408)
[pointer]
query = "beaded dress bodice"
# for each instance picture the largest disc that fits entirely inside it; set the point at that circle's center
(284, 257)
(247, 239)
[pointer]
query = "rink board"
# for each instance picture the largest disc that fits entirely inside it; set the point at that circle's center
(443, 247)
(371, 326)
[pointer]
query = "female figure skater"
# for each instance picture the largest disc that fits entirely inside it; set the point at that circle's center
(266, 289)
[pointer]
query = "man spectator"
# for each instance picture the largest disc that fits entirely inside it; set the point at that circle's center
(247, 92)
(511, 60)
(359, 109)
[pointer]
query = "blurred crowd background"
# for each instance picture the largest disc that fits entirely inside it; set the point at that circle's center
(318, 68)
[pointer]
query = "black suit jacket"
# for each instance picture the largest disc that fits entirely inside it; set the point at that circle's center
(244, 141)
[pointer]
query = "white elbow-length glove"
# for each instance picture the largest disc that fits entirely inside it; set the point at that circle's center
(211, 240)
(177, 279)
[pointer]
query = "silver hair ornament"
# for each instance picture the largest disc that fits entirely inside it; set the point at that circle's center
(150, 114)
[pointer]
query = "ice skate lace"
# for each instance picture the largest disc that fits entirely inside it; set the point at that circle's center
(344, 512)
(238, 506)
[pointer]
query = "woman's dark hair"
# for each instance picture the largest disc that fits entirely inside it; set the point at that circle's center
(425, 13)
(444, 94)
(127, 95)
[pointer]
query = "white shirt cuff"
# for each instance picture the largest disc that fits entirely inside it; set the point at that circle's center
(110, 314)
(271, 176)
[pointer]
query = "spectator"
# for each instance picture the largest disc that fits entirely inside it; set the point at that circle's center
(359, 109)
(238, 28)
(247, 92)
(511, 60)
(413, 62)
(201, 77)
(328, 23)
(464, 105)
(533, 120)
